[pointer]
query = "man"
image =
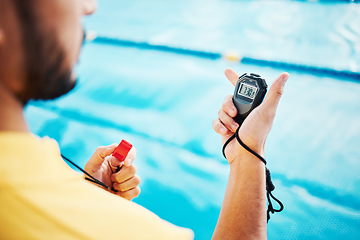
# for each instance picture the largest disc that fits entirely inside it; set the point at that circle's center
(41, 197)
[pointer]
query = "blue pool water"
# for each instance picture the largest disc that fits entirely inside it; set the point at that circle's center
(164, 104)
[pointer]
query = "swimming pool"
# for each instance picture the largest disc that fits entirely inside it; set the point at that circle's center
(164, 103)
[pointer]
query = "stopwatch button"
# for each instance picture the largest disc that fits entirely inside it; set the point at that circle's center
(264, 82)
(255, 75)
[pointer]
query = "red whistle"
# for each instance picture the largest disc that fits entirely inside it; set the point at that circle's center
(122, 150)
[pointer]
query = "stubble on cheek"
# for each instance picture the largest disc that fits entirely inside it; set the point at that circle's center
(48, 66)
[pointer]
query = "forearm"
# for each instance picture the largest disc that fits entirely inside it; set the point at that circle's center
(243, 213)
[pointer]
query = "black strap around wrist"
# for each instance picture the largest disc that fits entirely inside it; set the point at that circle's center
(269, 184)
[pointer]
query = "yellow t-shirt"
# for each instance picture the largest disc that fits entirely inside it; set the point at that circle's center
(41, 197)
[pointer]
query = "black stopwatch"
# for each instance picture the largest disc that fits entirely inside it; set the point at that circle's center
(249, 92)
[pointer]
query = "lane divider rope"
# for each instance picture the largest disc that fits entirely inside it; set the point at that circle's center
(341, 74)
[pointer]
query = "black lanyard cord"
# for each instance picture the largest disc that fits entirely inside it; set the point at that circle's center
(269, 184)
(89, 178)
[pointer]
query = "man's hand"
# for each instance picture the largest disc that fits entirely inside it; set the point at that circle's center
(243, 212)
(124, 181)
(257, 125)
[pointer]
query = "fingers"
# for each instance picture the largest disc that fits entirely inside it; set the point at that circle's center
(229, 107)
(124, 174)
(131, 194)
(227, 121)
(130, 157)
(128, 184)
(272, 99)
(89, 7)
(225, 124)
(128, 160)
(219, 127)
(99, 156)
(232, 76)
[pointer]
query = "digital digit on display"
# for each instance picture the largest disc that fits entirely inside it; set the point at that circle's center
(247, 90)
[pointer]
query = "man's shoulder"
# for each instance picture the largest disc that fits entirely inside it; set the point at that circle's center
(43, 194)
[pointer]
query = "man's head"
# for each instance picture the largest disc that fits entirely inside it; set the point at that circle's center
(40, 42)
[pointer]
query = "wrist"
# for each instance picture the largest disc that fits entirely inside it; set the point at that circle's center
(244, 157)
(257, 147)
(236, 148)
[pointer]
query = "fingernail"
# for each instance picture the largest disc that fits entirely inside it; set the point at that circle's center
(234, 127)
(285, 77)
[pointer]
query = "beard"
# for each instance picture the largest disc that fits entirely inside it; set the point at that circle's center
(46, 74)
(46, 78)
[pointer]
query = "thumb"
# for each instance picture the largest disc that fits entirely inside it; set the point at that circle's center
(99, 156)
(272, 99)
(232, 76)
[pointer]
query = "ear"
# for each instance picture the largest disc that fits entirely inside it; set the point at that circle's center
(2, 37)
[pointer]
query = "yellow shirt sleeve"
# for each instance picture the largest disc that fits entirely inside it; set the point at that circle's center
(42, 198)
